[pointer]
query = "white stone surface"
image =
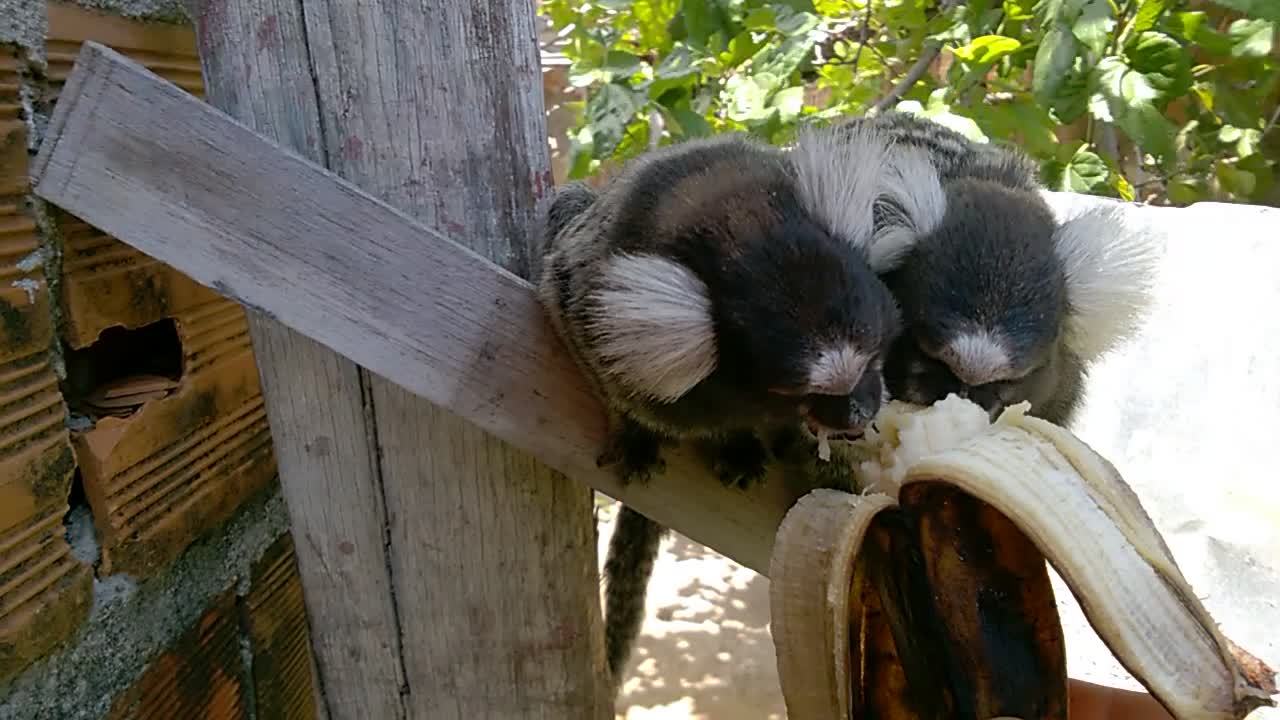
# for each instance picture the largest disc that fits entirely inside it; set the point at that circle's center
(1189, 412)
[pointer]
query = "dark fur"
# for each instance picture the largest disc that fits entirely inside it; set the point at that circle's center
(633, 549)
(991, 263)
(779, 282)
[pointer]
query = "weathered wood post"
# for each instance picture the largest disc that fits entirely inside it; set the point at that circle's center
(446, 574)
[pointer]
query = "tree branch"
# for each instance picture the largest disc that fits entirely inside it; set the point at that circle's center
(917, 71)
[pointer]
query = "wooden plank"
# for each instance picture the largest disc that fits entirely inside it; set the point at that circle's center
(184, 183)
(314, 397)
(436, 107)
(448, 551)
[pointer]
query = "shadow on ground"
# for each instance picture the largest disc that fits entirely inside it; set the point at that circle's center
(705, 651)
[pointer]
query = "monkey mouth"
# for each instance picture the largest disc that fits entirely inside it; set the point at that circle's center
(817, 430)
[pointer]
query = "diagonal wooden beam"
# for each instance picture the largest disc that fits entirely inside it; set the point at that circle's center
(140, 159)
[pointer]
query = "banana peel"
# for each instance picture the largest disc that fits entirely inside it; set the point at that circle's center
(926, 593)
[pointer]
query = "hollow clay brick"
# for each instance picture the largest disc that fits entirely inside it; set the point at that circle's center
(167, 50)
(45, 593)
(105, 282)
(159, 478)
(199, 676)
(283, 683)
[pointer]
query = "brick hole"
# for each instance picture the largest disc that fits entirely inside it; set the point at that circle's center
(81, 534)
(124, 369)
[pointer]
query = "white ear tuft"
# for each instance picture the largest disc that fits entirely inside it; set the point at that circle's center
(837, 370)
(1110, 262)
(652, 320)
(911, 185)
(839, 177)
(978, 358)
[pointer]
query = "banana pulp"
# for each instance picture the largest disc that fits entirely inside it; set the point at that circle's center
(926, 594)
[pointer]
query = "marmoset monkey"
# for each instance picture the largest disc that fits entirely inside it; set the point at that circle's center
(716, 290)
(1001, 302)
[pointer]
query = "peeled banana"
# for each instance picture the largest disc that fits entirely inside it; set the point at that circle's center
(925, 594)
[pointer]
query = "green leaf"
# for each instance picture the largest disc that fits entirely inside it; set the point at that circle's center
(1019, 10)
(986, 49)
(1185, 191)
(1164, 63)
(1251, 38)
(1048, 12)
(1148, 13)
(761, 18)
(678, 63)
(1021, 120)
(622, 64)
(635, 140)
(803, 6)
(1053, 59)
(789, 102)
(1093, 26)
(791, 22)
(1234, 180)
(581, 152)
(609, 110)
(707, 24)
(749, 97)
(677, 71)
(740, 48)
(1122, 187)
(904, 14)
(1250, 142)
(1124, 96)
(651, 18)
(957, 32)
(1085, 173)
(685, 123)
(781, 60)
(1072, 98)
(1194, 27)
(1263, 9)
(1264, 174)
(1205, 92)
(938, 111)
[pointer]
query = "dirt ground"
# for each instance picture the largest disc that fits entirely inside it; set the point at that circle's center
(705, 651)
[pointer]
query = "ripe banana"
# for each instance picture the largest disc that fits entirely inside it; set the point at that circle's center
(926, 594)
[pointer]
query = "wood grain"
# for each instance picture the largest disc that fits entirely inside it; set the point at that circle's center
(453, 523)
(186, 184)
(314, 396)
(436, 108)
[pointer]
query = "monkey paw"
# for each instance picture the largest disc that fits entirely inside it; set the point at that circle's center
(740, 460)
(785, 439)
(635, 451)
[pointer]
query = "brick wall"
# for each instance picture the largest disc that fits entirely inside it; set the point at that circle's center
(145, 567)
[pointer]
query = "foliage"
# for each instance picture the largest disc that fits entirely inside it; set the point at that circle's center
(1163, 100)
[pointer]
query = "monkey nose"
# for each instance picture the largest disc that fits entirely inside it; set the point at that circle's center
(987, 400)
(840, 415)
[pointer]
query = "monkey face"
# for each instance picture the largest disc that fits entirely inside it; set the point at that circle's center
(844, 415)
(825, 364)
(984, 294)
(912, 374)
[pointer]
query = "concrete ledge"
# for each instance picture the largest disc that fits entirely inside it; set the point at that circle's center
(1189, 412)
